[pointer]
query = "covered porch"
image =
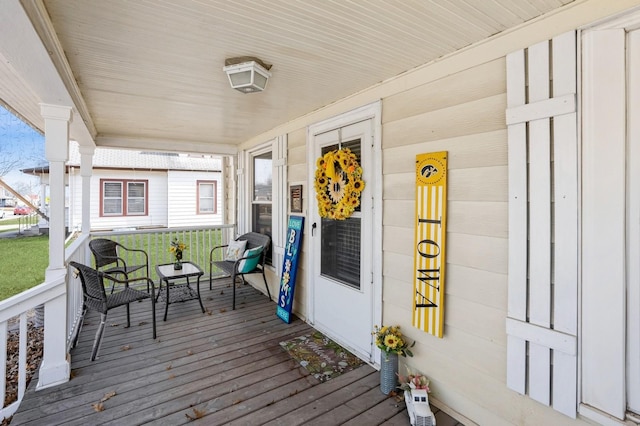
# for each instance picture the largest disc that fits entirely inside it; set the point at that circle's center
(394, 81)
(220, 367)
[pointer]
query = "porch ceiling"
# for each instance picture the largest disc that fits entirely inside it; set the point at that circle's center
(148, 74)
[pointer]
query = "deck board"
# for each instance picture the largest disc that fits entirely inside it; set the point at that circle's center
(213, 368)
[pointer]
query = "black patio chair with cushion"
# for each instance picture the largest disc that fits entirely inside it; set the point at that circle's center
(96, 298)
(244, 256)
(110, 258)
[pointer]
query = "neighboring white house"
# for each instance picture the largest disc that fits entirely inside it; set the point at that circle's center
(135, 189)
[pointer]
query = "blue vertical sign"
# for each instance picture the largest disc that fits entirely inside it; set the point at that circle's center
(289, 268)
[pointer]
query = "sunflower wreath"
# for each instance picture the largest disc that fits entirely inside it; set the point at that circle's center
(338, 184)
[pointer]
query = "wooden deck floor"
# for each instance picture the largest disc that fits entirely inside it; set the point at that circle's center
(221, 367)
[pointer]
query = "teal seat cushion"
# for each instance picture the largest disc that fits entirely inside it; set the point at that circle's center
(248, 265)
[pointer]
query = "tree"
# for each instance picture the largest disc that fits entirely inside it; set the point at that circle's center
(21, 145)
(8, 164)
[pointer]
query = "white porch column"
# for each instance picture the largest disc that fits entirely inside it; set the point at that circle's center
(55, 367)
(56, 143)
(86, 170)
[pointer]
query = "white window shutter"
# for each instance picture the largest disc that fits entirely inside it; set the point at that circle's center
(543, 223)
(243, 219)
(280, 200)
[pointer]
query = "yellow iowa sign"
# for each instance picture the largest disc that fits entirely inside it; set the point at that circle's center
(430, 236)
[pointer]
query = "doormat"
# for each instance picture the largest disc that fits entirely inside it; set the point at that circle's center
(321, 356)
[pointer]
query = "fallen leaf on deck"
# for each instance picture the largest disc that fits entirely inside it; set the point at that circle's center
(98, 407)
(197, 414)
(108, 396)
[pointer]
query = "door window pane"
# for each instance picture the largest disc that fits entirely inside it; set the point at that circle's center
(340, 258)
(341, 250)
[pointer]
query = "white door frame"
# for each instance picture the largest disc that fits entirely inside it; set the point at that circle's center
(608, 351)
(633, 225)
(371, 111)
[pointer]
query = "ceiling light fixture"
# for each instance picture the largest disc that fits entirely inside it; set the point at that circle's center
(247, 74)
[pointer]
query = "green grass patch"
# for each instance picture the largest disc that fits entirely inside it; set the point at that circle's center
(24, 261)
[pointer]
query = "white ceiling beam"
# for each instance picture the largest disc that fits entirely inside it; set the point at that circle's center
(170, 145)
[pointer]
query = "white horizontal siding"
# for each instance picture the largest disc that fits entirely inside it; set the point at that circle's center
(469, 125)
(182, 199)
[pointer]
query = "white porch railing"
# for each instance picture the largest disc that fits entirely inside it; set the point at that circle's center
(13, 318)
(78, 251)
(15, 311)
(156, 242)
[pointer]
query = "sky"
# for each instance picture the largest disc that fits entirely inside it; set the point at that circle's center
(21, 141)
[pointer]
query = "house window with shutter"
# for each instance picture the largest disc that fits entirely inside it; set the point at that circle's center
(262, 187)
(123, 197)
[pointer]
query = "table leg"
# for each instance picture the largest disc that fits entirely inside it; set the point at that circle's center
(166, 306)
(199, 298)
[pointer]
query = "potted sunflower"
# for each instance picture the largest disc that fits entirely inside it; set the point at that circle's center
(176, 248)
(392, 343)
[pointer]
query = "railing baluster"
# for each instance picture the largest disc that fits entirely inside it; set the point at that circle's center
(3, 359)
(22, 357)
(200, 240)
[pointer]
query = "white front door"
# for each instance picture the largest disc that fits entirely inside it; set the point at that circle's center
(341, 251)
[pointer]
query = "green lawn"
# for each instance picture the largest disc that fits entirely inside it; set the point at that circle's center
(23, 263)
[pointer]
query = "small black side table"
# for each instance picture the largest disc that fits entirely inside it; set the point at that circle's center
(180, 292)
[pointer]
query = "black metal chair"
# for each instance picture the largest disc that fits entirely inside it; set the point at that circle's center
(110, 258)
(96, 298)
(234, 268)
